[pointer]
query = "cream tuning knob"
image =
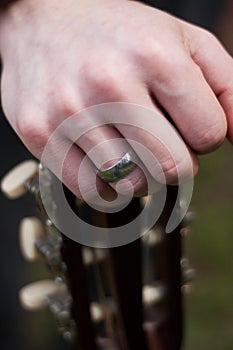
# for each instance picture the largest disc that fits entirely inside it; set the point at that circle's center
(35, 295)
(90, 256)
(153, 294)
(31, 229)
(188, 273)
(97, 314)
(13, 183)
(189, 218)
(153, 237)
(144, 200)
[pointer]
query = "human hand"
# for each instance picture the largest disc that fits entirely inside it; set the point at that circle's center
(60, 57)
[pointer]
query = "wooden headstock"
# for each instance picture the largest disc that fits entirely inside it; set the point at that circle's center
(127, 297)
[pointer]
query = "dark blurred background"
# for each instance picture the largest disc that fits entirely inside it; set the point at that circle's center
(209, 306)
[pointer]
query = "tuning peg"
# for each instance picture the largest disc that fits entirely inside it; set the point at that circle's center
(50, 248)
(35, 243)
(56, 297)
(153, 294)
(186, 223)
(31, 229)
(186, 289)
(188, 273)
(35, 296)
(153, 237)
(189, 218)
(97, 314)
(60, 308)
(14, 183)
(185, 231)
(90, 255)
(99, 311)
(66, 326)
(144, 200)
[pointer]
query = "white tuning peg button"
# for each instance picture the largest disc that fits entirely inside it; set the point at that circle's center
(153, 237)
(90, 256)
(13, 183)
(30, 230)
(153, 294)
(96, 312)
(35, 295)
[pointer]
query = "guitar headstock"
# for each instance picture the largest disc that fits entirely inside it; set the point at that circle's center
(126, 297)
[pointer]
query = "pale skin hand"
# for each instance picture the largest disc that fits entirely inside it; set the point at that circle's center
(62, 56)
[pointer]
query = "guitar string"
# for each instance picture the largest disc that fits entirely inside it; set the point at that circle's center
(118, 318)
(108, 318)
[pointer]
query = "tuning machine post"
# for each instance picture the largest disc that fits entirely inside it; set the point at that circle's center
(188, 273)
(54, 296)
(36, 243)
(57, 299)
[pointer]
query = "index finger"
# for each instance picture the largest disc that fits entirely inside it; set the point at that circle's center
(217, 67)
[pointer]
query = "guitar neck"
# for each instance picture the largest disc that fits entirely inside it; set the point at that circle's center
(122, 298)
(135, 326)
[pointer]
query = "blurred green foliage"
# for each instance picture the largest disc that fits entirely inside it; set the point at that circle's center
(209, 307)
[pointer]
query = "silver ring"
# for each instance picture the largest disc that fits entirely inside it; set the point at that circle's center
(118, 170)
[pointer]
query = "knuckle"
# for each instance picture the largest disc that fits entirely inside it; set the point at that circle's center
(207, 39)
(87, 187)
(67, 100)
(137, 181)
(169, 67)
(89, 193)
(84, 191)
(33, 131)
(161, 61)
(102, 76)
(171, 171)
(153, 54)
(164, 170)
(211, 139)
(207, 36)
(133, 183)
